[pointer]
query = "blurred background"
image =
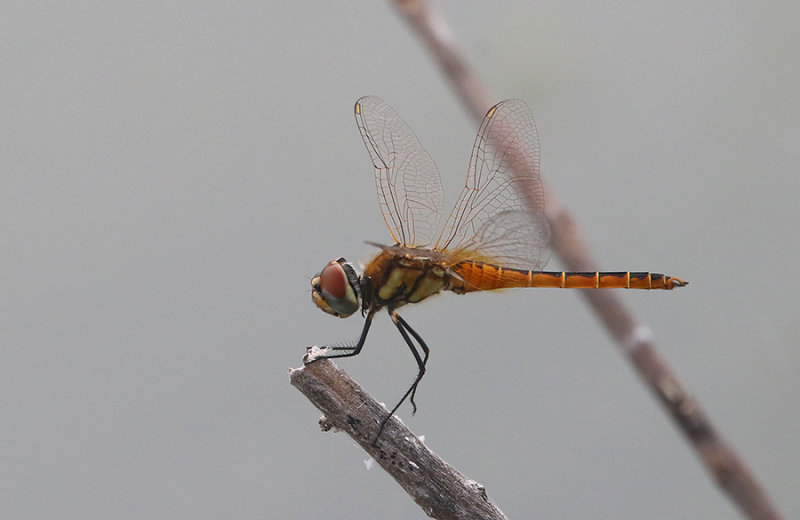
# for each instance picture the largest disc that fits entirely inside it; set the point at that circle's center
(173, 174)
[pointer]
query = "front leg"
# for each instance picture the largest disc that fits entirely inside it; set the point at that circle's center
(341, 350)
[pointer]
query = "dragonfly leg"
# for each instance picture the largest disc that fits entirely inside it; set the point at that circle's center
(422, 364)
(347, 349)
(405, 329)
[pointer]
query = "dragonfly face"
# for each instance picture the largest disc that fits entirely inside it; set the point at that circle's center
(337, 288)
(495, 237)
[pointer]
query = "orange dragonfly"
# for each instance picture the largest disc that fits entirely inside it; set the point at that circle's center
(495, 238)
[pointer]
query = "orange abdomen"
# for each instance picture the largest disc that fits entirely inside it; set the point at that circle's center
(480, 276)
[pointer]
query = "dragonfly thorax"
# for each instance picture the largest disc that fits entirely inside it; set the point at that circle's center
(398, 275)
(337, 288)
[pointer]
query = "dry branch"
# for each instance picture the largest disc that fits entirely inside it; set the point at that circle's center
(722, 462)
(440, 490)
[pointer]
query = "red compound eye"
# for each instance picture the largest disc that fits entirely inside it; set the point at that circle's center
(336, 289)
(333, 281)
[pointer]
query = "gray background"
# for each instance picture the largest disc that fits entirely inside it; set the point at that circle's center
(172, 174)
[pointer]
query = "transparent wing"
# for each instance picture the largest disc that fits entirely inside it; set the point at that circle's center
(499, 216)
(409, 187)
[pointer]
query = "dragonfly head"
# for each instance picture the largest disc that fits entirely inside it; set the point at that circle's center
(337, 288)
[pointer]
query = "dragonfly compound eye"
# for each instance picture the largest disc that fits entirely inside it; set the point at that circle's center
(336, 289)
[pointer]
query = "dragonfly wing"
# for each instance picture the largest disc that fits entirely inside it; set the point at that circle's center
(509, 240)
(500, 213)
(409, 187)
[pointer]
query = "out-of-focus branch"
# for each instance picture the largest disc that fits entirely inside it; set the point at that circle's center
(634, 339)
(440, 490)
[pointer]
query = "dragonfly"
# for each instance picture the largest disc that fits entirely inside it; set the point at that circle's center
(496, 236)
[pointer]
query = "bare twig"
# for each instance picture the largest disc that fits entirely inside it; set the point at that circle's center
(634, 339)
(440, 490)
